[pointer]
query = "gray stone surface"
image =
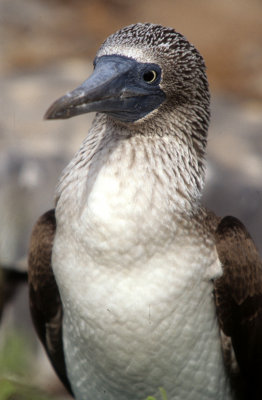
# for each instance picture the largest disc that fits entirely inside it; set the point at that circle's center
(33, 152)
(234, 175)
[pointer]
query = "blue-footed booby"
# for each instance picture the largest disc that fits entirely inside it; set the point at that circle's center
(134, 285)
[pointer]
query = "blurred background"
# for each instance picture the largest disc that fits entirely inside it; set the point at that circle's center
(46, 49)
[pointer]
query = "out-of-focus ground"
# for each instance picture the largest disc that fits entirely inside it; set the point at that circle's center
(46, 49)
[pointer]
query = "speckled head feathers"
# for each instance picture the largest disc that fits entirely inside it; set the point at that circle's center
(148, 36)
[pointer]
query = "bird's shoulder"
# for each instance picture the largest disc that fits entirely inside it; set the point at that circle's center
(45, 302)
(238, 297)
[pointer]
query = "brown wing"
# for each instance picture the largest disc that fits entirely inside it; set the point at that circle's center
(45, 302)
(238, 296)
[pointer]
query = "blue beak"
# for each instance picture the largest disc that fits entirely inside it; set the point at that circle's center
(116, 87)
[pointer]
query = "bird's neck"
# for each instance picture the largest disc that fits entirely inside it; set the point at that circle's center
(129, 190)
(163, 162)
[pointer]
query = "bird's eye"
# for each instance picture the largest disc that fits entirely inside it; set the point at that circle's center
(150, 76)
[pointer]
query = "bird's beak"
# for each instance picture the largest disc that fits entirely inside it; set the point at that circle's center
(112, 89)
(97, 93)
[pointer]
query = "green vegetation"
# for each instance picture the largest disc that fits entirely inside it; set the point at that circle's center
(162, 392)
(15, 368)
(11, 390)
(14, 354)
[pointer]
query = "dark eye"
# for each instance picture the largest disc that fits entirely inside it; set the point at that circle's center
(150, 76)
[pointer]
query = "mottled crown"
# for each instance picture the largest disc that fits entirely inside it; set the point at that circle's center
(150, 36)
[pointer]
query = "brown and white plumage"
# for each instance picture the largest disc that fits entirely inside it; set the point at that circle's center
(45, 303)
(238, 295)
(136, 259)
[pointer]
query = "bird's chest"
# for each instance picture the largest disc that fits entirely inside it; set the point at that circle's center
(126, 334)
(136, 292)
(117, 212)
(129, 329)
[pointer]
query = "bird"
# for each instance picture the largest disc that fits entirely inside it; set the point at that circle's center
(134, 285)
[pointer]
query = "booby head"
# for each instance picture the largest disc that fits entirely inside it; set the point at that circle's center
(138, 71)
